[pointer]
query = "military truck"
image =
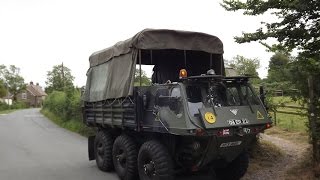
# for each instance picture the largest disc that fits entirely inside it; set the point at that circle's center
(191, 119)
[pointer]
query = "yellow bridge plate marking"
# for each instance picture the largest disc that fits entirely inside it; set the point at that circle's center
(210, 118)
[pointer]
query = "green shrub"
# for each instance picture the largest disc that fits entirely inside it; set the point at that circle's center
(19, 105)
(15, 105)
(65, 105)
(64, 108)
(56, 103)
(4, 106)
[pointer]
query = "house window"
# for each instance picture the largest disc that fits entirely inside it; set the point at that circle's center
(24, 96)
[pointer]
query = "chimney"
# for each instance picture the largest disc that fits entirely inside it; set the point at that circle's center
(37, 84)
(31, 83)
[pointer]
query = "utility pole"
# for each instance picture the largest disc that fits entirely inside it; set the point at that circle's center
(62, 72)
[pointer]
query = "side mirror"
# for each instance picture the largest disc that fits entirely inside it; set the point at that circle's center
(262, 95)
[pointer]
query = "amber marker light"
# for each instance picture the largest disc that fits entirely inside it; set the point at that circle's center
(183, 73)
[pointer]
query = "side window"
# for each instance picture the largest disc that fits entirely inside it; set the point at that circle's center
(194, 94)
(175, 92)
(23, 95)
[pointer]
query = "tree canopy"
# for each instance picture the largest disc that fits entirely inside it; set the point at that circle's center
(12, 81)
(297, 24)
(245, 65)
(145, 81)
(59, 79)
(278, 68)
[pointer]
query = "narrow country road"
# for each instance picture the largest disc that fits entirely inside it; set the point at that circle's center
(34, 148)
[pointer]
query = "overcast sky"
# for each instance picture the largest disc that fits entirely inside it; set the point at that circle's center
(35, 35)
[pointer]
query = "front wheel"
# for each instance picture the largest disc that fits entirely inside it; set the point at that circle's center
(236, 169)
(154, 162)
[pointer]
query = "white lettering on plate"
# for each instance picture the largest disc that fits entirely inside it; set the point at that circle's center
(247, 130)
(233, 122)
(230, 144)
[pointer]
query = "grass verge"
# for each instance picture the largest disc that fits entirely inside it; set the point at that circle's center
(73, 125)
(7, 111)
(290, 122)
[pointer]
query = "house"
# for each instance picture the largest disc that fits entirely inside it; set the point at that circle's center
(33, 95)
(7, 99)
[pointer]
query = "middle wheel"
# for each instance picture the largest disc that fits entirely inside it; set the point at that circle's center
(125, 155)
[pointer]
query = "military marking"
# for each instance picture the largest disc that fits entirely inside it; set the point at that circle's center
(225, 132)
(259, 115)
(210, 118)
(234, 111)
(234, 122)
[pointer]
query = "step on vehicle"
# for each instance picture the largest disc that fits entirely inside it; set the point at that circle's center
(192, 119)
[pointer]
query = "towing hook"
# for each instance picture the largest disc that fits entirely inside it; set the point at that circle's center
(240, 132)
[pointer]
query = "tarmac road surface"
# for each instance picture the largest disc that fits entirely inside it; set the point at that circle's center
(34, 148)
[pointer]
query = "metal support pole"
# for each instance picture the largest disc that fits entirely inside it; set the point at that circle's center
(185, 58)
(140, 72)
(210, 61)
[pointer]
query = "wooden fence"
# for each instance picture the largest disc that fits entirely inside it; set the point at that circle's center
(297, 108)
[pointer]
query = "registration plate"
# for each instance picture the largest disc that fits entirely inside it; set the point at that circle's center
(229, 144)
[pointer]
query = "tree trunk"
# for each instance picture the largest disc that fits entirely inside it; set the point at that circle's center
(314, 121)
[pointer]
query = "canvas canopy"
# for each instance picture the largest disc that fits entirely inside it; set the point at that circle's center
(111, 72)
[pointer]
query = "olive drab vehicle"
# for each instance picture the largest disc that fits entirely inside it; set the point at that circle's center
(192, 119)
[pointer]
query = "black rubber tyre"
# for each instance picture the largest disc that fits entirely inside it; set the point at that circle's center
(236, 169)
(125, 155)
(103, 150)
(154, 162)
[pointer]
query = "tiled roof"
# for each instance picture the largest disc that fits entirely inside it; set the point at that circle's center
(36, 90)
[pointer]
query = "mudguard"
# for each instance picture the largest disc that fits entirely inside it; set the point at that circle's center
(91, 148)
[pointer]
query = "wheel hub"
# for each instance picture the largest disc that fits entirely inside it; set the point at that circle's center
(121, 158)
(149, 169)
(100, 149)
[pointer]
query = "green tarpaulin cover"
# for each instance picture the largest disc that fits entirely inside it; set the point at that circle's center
(111, 72)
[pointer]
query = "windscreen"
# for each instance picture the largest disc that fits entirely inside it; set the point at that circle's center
(222, 94)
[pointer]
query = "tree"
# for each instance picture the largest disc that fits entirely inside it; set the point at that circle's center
(278, 68)
(59, 79)
(145, 81)
(297, 24)
(3, 90)
(12, 81)
(245, 65)
(297, 27)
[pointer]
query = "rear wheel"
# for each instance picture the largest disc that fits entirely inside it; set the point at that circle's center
(154, 162)
(236, 169)
(103, 150)
(125, 157)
